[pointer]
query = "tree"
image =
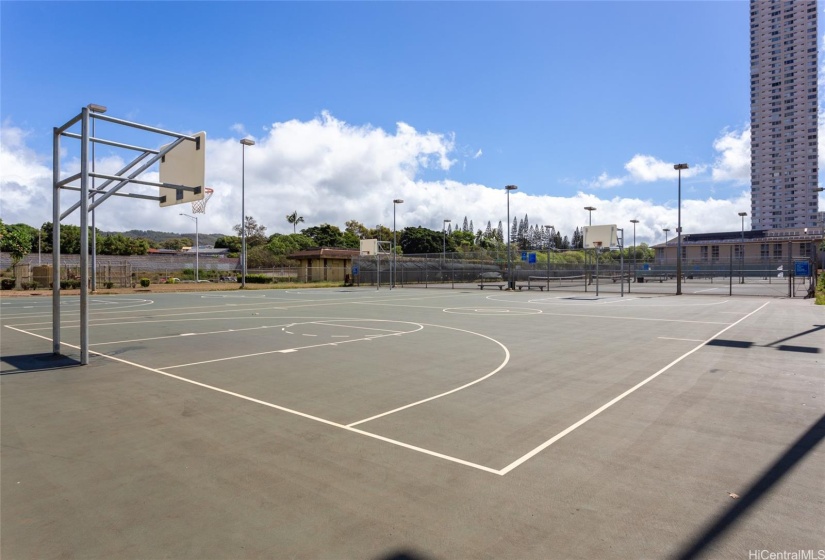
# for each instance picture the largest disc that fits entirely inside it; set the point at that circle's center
(294, 219)
(285, 245)
(357, 229)
(261, 257)
(381, 233)
(417, 240)
(119, 244)
(176, 244)
(255, 234)
(231, 242)
(325, 235)
(16, 241)
(463, 239)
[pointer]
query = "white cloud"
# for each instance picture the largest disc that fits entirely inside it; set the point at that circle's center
(331, 171)
(478, 154)
(734, 161)
(645, 169)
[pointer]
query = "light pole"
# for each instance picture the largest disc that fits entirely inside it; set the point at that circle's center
(589, 223)
(94, 108)
(665, 250)
(197, 245)
(244, 143)
(550, 244)
(395, 203)
(678, 167)
(444, 249)
(634, 222)
(510, 284)
(742, 250)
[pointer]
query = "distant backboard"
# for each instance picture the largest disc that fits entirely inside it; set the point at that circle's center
(185, 165)
(369, 247)
(600, 236)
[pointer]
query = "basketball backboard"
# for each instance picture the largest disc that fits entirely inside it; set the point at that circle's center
(185, 165)
(606, 236)
(369, 247)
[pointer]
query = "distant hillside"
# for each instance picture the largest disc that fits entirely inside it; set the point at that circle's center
(161, 236)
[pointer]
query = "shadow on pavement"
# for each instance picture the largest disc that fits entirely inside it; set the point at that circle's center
(750, 497)
(30, 363)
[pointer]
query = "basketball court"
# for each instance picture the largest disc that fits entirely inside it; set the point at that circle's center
(366, 423)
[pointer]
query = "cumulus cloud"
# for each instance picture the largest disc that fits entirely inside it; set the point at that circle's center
(734, 161)
(645, 169)
(332, 171)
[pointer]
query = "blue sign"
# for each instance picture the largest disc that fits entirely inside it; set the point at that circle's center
(801, 268)
(355, 271)
(531, 258)
(524, 255)
(645, 266)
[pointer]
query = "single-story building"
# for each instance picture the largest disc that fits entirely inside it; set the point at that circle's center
(319, 264)
(751, 246)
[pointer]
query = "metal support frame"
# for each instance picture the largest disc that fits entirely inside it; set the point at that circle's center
(91, 198)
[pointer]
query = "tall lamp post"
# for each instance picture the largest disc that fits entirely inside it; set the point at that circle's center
(197, 245)
(634, 222)
(742, 250)
(551, 230)
(589, 223)
(444, 232)
(94, 108)
(510, 283)
(395, 203)
(678, 167)
(244, 143)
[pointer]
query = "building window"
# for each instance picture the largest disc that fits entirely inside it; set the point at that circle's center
(714, 253)
(703, 253)
(764, 252)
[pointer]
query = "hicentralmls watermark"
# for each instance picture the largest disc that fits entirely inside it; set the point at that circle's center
(786, 555)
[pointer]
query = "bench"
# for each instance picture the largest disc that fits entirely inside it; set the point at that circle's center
(529, 287)
(500, 285)
(491, 279)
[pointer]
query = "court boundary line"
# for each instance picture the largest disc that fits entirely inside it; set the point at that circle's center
(535, 451)
(501, 472)
(281, 408)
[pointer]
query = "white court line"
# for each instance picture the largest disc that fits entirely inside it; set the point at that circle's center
(707, 290)
(604, 407)
(619, 300)
(685, 339)
(368, 339)
(179, 335)
(283, 409)
(632, 318)
(479, 380)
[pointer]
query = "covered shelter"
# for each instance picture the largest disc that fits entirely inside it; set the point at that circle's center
(324, 264)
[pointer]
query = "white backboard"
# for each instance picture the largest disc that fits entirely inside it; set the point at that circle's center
(369, 247)
(606, 236)
(185, 165)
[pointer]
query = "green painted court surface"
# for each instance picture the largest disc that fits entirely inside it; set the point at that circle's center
(438, 424)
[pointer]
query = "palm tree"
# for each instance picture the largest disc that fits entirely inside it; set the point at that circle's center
(294, 219)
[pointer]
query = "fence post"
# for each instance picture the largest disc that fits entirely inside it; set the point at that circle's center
(730, 272)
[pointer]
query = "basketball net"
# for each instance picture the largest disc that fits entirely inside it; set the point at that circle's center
(199, 206)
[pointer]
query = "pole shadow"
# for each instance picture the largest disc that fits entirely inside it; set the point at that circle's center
(750, 497)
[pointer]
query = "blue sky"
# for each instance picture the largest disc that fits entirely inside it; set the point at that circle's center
(577, 103)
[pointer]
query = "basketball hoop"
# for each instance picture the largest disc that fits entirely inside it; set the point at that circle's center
(199, 206)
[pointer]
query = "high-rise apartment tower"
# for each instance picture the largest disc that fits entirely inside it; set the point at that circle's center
(784, 114)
